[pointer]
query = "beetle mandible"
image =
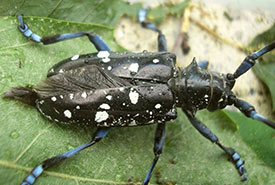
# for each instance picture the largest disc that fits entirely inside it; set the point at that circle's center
(123, 89)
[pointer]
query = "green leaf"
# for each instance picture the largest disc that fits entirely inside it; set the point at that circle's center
(158, 14)
(106, 12)
(265, 69)
(27, 138)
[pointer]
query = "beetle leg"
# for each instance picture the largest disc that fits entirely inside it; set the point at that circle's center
(159, 141)
(250, 60)
(95, 39)
(38, 170)
(248, 110)
(234, 156)
(162, 45)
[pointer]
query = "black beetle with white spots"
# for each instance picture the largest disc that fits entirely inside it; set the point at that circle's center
(123, 89)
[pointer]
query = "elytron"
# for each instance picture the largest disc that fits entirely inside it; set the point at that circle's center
(123, 89)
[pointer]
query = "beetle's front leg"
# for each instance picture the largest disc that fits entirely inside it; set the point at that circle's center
(250, 112)
(38, 170)
(95, 39)
(159, 141)
(234, 156)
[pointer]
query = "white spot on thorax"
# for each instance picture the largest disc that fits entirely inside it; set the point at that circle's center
(157, 106)
(109, 68)
(105, 106)
(67, 113)
(133, 96)
(77, 107)
(156, 61)
(101, 116)
(84, 95)
(61, 96)
(133, 67)
(75, 57)
(53, 98)
(71, 96)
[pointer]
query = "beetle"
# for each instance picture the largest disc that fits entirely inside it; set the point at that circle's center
(123, 89)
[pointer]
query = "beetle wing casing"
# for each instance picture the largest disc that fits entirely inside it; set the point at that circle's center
(92, 95)
(159, 66)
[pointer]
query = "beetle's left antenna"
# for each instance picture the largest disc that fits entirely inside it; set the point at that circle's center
(250, 60)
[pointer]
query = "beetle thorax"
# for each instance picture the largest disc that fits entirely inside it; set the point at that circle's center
(196, 88)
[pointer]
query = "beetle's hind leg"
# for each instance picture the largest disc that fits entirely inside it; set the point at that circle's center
(95, 39)
(159, 141)
(162, 45)
(38, 170)
(233, 155)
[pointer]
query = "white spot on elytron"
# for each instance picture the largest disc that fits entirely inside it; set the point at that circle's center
(133, 67)
(61, 71)
(206, 96)
(133, 96)
(133, 123)
(121, 89)
(101, 116)
(77, 107)
(51, 70)
(157, 106)
(61, 96)
(53, 98)
(105, 60)
(67, 113)
(123, 104)
(151, 113)
(75, 57)
(156, 61)
(109, 97)
(84, 95)
(104, 55)
(105, 106)
(71, 96)
(41, 102)
(109, 68)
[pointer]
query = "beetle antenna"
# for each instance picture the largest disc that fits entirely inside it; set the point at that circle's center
(250, 60)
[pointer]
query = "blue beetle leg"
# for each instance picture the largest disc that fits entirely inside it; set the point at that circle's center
(26, 31)
(248, 110)
(203, 64)
(159, 141)
(234, 156)
(162, 44)
(97, 41)
(38, 170)
(250, 60)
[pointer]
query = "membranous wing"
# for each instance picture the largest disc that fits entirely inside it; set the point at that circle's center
(81, 79)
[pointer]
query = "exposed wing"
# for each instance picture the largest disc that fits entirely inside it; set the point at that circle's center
(89, 77)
